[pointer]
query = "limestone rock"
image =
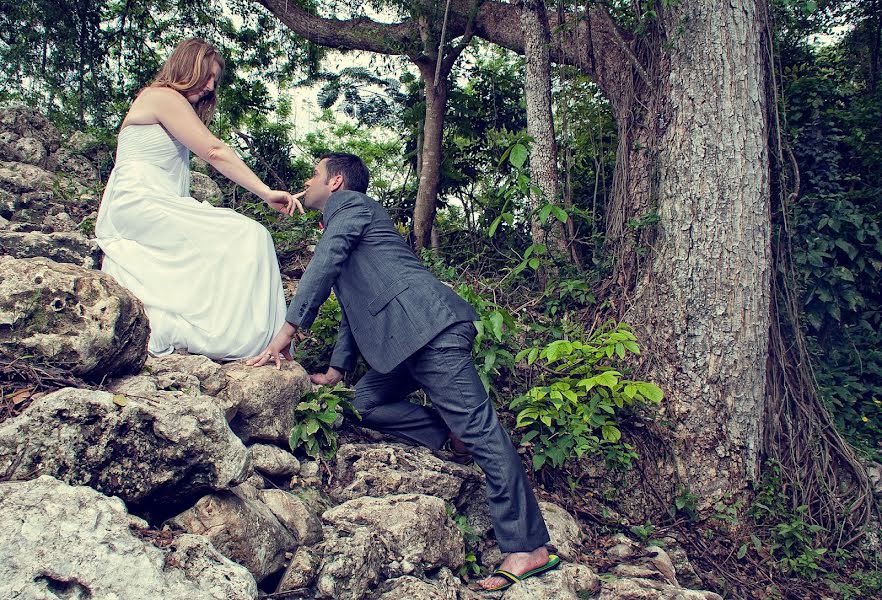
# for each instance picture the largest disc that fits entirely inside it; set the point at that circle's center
(153, 448)
(73, 165)
(243, 530)
(566, 535)
(70, 317)
(351, 564)
(416, 530)
(301, 571)
(266, 399)
(628, 588)
(58, 541)
(567, 582)
(444, 586)
(204, 189)
(19, 178)
(294, 514)
(181, 370)
(73, 248)
(19, 120)
(385, 469)
(29, 150)
(274, 461)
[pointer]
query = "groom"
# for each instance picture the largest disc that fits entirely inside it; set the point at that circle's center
(415, 333)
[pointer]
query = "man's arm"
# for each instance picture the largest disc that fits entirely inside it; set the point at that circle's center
(345, 350)
(344, 228)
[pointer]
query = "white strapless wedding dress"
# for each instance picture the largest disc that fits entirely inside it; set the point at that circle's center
(208, 276)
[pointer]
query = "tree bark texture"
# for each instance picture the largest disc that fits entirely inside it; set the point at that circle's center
(540, 125)
(430, 157)
(702, 303)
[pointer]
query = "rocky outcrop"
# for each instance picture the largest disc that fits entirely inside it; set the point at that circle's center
(265, 400)
(414, 531)
(241, 528)
(204, 189)
(62, 247)
(58, 541)
(70, 317)
(158, 448)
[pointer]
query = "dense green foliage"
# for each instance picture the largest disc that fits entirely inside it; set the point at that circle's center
(832, 103)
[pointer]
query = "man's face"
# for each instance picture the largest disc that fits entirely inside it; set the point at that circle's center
(319, 187)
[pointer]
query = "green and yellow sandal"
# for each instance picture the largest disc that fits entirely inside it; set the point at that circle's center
(553, 563)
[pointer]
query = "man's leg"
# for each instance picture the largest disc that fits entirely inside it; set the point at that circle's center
(445, 370)
(380, 399)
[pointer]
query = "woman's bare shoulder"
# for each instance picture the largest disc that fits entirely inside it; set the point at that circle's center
(149, 103)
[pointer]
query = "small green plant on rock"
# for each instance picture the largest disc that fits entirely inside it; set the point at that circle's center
(317, 415)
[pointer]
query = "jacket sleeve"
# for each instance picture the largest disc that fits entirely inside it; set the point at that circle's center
(345, 352)
(344, 228)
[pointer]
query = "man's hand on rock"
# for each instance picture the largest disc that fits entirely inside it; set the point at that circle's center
(331, 377)
(277, 349)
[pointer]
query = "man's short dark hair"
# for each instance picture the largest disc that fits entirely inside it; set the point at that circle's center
(355, 174)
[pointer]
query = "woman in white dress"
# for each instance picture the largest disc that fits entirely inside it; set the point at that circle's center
(208, 276)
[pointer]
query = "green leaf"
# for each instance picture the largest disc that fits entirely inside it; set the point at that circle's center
(560, 214)
(533, 263)
(518, 155)
(611, 433)
(494, 225)
(650, 391)
(544, 212)
(496, 321)
(538, 461)
(742, 551)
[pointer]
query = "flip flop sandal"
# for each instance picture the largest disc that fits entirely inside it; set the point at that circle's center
(553, 563)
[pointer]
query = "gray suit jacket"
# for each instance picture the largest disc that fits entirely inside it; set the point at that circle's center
(392, 305)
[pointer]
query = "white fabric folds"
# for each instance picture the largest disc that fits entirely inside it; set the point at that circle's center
(208, 276)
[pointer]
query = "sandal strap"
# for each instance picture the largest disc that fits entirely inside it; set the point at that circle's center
(510, 576)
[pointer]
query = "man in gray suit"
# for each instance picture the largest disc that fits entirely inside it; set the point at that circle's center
(415, 333)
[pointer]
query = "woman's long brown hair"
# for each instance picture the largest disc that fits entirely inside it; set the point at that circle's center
(188, 70)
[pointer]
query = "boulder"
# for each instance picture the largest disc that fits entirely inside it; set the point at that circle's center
(204, 189)
(273, 461)
(390, 468)
(73, 248)
(155, 448)
(635, 588)
(266, 399)
(58, 541)
(70, 317)
(74, 165)
(443, 586)
(566, 535)
(28, 150)
(416, 532)
(294, 514)
(242, 529)
(301, 571)
(351, 565)
(18, 121)
(19, 178)
(567, 582)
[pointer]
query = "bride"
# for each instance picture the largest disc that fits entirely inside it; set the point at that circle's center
(208, 276)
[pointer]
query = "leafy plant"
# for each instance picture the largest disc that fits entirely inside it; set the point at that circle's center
(317, 415)
(496, 328)
(574, 411)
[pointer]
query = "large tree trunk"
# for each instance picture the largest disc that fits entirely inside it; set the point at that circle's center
(698, 158)
(540, 126)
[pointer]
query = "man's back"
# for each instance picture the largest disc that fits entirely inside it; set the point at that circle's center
(392, 304)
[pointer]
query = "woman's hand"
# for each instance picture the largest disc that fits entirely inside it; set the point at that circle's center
(277, 350)
(283, 202)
